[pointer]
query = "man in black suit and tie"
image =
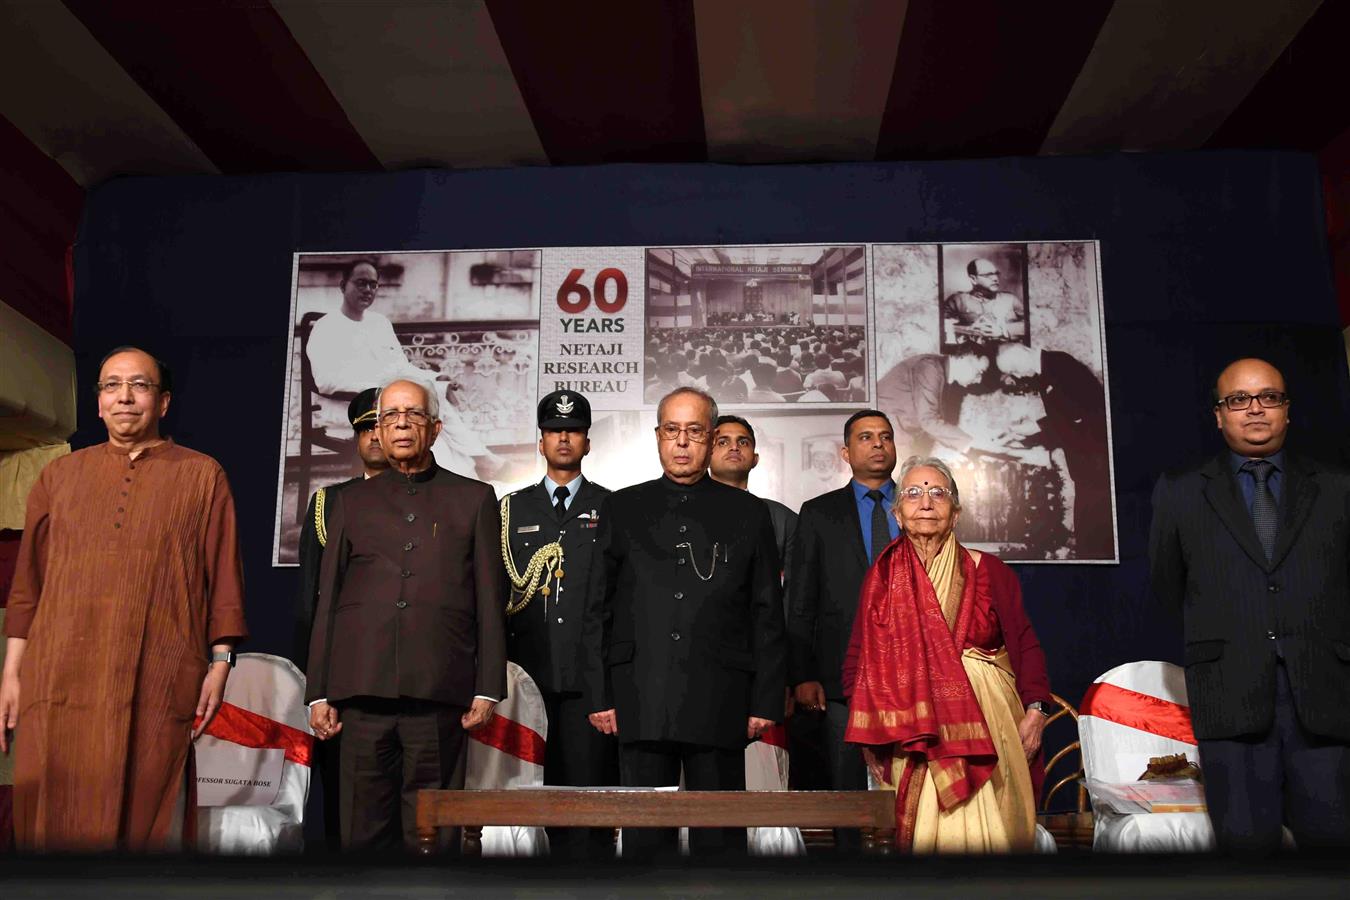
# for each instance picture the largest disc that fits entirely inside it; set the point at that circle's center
(839, 534)
(313, 538)
(551, 529)
(1253, 546)
(685, 653)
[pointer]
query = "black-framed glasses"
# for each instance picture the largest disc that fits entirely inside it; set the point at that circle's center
(414, 416)
(669, 431)
(915, 493)
(137, 387)
(1242, 400)
(366, 284)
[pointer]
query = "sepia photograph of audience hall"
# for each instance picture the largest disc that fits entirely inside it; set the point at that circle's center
(761, 325)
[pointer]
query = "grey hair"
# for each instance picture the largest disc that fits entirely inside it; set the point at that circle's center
(686, 389)
(433, 399)
(930, 462)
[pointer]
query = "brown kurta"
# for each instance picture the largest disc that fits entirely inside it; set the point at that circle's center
(128, 571)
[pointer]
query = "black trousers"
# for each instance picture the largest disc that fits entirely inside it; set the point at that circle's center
(658, 764)
(390, 750)
(328, 766)
(810, 770)
(578, 756)
(1286, 776)
(847, 771)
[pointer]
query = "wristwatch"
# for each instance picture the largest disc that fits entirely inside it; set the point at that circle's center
(1039, 707)
(225, 656)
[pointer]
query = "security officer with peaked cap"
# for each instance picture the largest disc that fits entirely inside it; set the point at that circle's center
(313, 537)
(550, 530)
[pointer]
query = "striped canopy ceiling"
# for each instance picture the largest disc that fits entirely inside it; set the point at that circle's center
(107, 87)
(90, 89)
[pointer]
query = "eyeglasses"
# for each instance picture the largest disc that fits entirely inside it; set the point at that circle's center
(938, 494)
(414, 416)
(1241, 400)
(115, 387)
(366, 284)
(670, 432)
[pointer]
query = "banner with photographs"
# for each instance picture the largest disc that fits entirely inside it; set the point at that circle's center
(990, 356)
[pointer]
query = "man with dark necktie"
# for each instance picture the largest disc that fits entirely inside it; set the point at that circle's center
(1252, 547)
(839, 534)
(549, 531)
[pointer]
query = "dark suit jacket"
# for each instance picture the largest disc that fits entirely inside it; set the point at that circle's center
(680, 658)
(828, 562)
(311, 555)
(1240, 609)
(412, 595)
(544, 638)
(784, 522)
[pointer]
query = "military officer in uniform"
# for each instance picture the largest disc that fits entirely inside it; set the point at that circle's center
(549, 531)
(684, 634)
(314, 527)
(313, 537)
(409, 645)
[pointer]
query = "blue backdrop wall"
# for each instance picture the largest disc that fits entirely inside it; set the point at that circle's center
(1205, 257)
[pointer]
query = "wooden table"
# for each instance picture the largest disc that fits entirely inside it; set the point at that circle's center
(873, 811)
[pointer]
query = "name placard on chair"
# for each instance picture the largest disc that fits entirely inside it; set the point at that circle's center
(231, 775)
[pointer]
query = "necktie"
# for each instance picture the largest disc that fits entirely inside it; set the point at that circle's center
(881, 524)
(1263, 504)
(560, 501)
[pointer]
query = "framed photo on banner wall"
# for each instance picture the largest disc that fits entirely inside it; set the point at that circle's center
(990, 356)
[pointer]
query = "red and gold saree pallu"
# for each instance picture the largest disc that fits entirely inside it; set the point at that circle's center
(912, 690)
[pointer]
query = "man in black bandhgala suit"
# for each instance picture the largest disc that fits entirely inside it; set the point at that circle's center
(684, 635)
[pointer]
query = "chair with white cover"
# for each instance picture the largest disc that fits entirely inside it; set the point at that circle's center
(253, 762)
(508, 752)
(1129, 714)
(766, 769)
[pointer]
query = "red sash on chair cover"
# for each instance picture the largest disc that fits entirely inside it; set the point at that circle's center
(1136, 710)
(249, 729)
(775, 735)
(512, 738)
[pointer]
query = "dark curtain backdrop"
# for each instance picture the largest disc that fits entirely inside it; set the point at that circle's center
(1205, 257)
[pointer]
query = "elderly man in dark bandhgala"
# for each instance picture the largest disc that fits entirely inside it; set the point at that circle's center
(1252, 546)
(684, 640)
(126, 607)
(409, 647)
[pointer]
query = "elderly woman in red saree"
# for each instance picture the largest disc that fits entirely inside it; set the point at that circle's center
(948, 681)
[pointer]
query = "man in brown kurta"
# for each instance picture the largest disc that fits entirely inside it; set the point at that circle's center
(126, 603)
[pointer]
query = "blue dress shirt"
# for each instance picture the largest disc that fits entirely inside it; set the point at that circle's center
(573, 488)
(864, 504)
